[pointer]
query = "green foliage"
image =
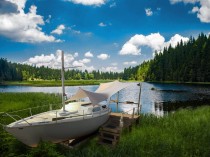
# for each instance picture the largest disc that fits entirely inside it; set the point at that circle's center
(45, 149)
(187, 62)
(18, 72)
(8, 71)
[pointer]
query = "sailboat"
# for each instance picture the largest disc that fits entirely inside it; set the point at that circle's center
(75, 119)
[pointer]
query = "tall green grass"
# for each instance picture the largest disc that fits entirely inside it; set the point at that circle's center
(10, 102)
(16, 101)
(186, 133)
(183, 134)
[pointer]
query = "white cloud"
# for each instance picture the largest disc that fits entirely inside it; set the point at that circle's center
(133, 46)
(51, 61)
(110, 69)
(88, 2)
(155, 41)
(24, 27)
(76, 54)
(148, 12)
(194, 10)
(175, 40)
(130, 63)
(85, 60)
(81, 62)
(89, 69)
(88, 54)
(59, 30)
(77, 63)
(203, 11)
(102, 24)
(103, 56)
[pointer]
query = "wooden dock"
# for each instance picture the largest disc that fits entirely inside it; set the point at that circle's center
(111, 131)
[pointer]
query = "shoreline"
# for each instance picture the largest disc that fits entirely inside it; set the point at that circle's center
(53, 83)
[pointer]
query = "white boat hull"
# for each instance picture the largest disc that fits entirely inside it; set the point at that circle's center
(58, 131)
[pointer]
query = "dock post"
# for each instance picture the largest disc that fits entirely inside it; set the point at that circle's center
(117, 100)
(139, 101)
(133, 113)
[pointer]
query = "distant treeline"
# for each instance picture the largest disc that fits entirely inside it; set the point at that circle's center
(17, 72)
(187, 62)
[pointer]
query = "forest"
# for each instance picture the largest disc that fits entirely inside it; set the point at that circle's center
(21, 72)
(187, 62)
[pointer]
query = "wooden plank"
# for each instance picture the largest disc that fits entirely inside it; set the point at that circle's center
(109, 133)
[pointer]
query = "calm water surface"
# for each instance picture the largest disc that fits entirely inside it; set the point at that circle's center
(152, 93)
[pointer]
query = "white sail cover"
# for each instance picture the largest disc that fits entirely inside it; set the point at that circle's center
(104, 92)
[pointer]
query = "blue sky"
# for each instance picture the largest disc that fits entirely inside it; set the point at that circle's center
(108, 35)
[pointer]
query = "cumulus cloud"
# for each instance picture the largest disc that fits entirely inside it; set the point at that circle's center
(155, 41)
(76, 54)
(81, 62)
(133, 46)
(54, 61)
(103, 56)
(110, 69)
(88, 2)
(148, 12)
(59, 30)
(130, 63)
(89, 68)
(88, 54)
(202, 10)
(51, 60)
(21, 26)
(175, 40)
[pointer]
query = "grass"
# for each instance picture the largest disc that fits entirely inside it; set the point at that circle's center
(9, 102)
(184, 133)
(55, 82)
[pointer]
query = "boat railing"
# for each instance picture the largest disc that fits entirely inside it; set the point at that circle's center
(20, 114)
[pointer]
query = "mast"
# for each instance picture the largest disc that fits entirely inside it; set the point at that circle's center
(62, 79)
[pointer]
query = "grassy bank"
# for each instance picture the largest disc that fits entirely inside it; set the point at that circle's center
(55, 82)
(184, 133)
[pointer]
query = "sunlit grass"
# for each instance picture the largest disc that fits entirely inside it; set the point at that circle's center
(56, 82)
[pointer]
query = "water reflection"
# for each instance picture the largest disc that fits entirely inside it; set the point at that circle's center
(152, 94)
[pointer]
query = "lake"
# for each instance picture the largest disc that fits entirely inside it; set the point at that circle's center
(156, 98)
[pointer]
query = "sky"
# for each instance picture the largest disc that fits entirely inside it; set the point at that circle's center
(105, 35)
